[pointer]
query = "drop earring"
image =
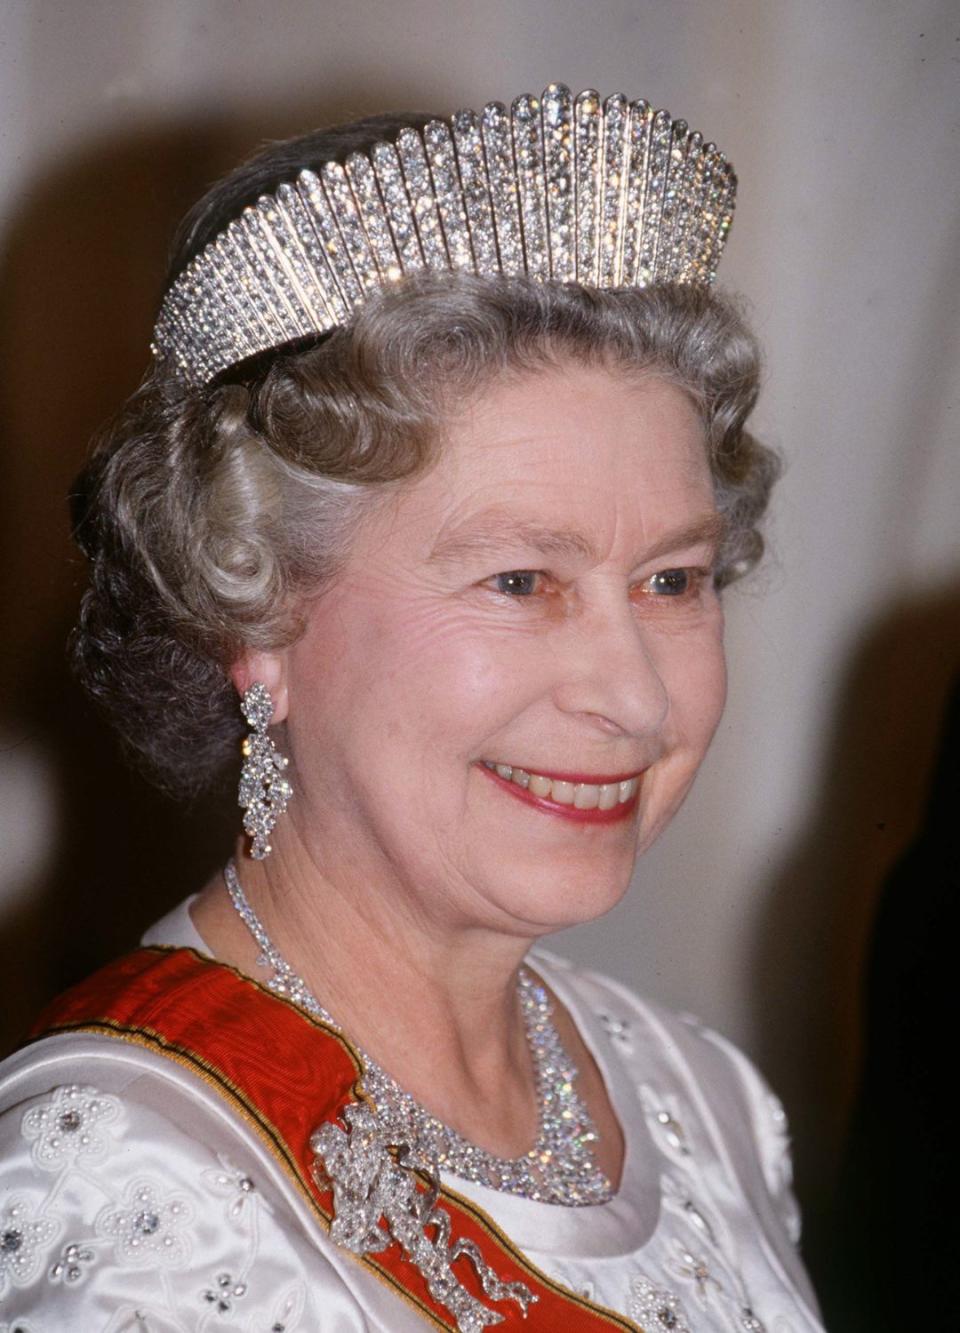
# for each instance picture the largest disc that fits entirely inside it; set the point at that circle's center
(264, 791)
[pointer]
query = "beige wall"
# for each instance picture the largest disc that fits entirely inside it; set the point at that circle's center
(841, 118)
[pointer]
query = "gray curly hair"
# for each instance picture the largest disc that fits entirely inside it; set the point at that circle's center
(210, 515)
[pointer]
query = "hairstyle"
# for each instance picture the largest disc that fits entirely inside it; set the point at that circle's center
(209, 515)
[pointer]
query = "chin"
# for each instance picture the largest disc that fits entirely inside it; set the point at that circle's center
(548, 902)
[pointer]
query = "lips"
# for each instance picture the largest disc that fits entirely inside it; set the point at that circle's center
(582, 797)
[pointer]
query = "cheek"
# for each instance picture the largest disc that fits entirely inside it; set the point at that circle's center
(698, 687)
(714, 692)
(456, 683)
(414, 675)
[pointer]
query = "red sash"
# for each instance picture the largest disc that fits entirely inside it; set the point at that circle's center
(284, 1073)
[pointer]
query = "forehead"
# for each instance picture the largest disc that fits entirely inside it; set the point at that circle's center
(602, 459)
(571, 445)
(591, 410)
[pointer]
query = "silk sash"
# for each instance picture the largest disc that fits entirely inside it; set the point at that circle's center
(284, 1073)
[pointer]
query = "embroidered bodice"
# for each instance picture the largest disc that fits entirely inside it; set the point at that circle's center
(129, 1198)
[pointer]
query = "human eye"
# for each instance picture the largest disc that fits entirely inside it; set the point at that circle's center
(672, 582)
(683, 584)
(517, 582)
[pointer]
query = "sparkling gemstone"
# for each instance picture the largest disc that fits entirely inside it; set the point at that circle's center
(559, 1168)
(612, 194)
(146, 1222)
(69, 1122)
(11, 1241)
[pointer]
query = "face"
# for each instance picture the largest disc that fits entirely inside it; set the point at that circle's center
(508, 691)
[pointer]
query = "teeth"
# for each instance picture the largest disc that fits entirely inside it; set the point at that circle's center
(581, 795)
(609, 795)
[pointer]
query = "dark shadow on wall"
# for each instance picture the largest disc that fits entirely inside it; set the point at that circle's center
(816, 936)
(81, 270)
(892, 1231)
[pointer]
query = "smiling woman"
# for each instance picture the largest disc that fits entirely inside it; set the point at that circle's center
(442, 482)
(438, 671)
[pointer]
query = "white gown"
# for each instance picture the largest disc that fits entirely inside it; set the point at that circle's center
(133, 1201)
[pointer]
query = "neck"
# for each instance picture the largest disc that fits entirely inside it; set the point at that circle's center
(372, 958)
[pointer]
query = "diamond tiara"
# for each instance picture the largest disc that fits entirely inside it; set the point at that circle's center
(562, 188)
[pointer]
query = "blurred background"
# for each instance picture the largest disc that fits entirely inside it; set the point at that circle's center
(757, 911)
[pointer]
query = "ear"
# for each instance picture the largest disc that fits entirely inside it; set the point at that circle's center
(270, 669)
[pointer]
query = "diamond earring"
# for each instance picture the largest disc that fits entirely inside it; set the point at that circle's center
(264, 791)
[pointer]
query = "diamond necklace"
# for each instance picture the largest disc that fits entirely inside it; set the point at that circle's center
(559, 1168)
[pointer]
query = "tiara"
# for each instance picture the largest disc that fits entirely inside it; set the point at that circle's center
(561, 188)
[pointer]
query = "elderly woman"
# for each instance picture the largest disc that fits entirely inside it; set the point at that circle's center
(439, 475)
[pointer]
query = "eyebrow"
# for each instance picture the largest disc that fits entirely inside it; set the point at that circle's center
(492, 529)
(706, 530)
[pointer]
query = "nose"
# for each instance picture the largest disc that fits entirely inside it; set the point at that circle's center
(609, 673)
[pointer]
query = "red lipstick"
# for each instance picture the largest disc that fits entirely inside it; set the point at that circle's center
(619, 812)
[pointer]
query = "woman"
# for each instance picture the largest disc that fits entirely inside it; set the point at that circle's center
(441, 470)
